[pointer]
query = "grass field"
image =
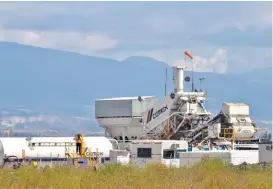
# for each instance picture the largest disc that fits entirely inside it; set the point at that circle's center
(206, 175)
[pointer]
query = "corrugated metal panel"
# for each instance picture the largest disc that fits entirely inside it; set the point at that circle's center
(139, 107)
(113, 108)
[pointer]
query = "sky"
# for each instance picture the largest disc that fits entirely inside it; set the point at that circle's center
(223, 37)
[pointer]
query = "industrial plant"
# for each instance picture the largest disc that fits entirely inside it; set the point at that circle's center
(177, 131)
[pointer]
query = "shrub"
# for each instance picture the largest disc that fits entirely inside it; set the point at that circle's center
(207, 174)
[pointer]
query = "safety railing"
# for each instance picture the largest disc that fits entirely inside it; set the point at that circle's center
(227, 133)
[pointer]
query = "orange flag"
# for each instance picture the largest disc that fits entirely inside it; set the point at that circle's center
(188, 54)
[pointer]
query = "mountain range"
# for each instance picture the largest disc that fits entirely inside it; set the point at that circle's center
(65, 84)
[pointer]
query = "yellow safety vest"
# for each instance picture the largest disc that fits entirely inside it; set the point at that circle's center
(79, 140)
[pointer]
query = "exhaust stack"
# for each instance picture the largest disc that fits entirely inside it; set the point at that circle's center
(178, 77)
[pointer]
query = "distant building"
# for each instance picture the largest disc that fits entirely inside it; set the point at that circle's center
(265, 152)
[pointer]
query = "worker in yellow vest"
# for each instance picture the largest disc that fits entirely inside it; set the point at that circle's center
(78, 143)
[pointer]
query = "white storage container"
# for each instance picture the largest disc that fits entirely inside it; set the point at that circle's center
(235, 108)
(122, 107)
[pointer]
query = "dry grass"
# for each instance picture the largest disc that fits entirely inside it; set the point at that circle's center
(206, 175)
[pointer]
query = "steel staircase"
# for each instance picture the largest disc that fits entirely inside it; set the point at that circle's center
(165, 128)
(171, 128)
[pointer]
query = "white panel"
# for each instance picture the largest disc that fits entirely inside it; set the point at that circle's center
(193, 108)
(157, 149)
(171, 162)
(115, 126)
(1, 154)
(114, 153)
(130, 132)
(189, 108)
(265, 152)
(114, 121)
(191, 158)
(158, 113)
(185, 108)
(240, 156)
(113, 108)
(122, 107)
(238, 122)
(235, 108)
(214, 130)
(139, 107)
(120, 157)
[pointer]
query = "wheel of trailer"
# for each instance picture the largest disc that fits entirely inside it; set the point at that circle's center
(15, 166)
(10, 161)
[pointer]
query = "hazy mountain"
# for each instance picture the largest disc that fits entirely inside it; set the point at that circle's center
(66, 84)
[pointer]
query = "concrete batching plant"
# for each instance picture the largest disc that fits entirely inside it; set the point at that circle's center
(179, 116)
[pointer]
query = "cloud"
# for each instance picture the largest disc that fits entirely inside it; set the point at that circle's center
(217, 63)
(240, 58)
(81, 42)
(266, 122)
(243, 37)
(122, 19)
(121, 29)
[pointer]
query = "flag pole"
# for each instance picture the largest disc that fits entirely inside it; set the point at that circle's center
(166, 77)
(188, 54)
(185, 61)
(192, 84)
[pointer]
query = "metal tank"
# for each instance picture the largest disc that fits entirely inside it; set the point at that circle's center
(38, 146)
(1, 154)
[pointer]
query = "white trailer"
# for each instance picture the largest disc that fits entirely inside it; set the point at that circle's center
(156, 151)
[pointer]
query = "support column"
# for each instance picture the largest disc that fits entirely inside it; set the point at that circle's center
(123, 135)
